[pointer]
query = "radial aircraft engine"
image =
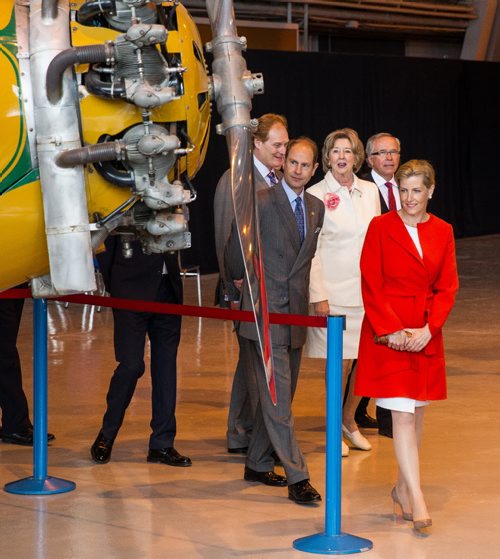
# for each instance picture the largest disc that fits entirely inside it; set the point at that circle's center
(104, 113)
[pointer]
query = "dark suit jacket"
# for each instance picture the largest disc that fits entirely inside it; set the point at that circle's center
(384, 208)
(138, 277)
(287, 263)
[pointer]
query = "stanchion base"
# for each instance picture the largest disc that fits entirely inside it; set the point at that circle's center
(341, 544)
(32, 486)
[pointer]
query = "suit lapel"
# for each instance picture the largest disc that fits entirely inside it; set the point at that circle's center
(401, 236)
(383, 206)
(311, 233)
(311, 219)
(259, 180)
(285, 214)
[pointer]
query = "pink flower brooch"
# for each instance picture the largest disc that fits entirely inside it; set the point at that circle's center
(331, 200)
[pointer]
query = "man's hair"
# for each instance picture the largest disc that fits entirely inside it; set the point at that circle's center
(343, 134)
(371, 141)
(303, 140)
(266, 122)
(417, 167)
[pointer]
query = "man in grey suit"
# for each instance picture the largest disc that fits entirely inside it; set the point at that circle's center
(290, 220)
(269, 146)
(382, 155)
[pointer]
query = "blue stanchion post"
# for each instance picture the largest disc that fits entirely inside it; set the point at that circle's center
(40, 483)
(333, 541)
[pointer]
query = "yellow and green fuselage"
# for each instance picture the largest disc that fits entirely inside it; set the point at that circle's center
(22, 227)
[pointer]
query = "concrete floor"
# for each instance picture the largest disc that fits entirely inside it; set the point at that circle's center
(130, 509)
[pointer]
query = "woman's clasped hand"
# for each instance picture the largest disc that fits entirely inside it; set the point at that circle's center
(410, 339)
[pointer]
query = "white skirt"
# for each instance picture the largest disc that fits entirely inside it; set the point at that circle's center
(400, 404)
(316, 337)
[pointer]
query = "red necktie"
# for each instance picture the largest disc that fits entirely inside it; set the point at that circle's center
(392, 200)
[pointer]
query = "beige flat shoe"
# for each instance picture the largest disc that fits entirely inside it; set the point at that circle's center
(345, 450)
(357, 439)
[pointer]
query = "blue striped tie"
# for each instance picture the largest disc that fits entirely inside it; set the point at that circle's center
(299, 216)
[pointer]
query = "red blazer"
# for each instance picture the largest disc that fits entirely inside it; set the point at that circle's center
(402, 290)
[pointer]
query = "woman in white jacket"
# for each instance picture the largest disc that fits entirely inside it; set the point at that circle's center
(335, 288)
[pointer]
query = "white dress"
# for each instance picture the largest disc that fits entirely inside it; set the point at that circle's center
(335, 274)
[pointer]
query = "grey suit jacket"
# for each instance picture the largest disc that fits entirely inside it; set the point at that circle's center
(223, 219)
(287, 263)
(224, 212)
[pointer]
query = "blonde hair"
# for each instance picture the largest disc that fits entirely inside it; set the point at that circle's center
(356, 145)
(417, 167)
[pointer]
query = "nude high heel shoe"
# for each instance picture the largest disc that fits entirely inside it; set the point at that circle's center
(421, 525)
(396, 501)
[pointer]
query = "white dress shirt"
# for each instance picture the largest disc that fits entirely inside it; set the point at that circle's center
(263, 170)
(380, 182)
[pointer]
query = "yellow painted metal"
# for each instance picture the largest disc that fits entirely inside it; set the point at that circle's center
(22, 235)
(11, 123)
(102, 196)
(193, 108)
(5, 12)
(195, 100)
(22, 229)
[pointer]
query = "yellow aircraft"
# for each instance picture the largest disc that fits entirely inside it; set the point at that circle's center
(104, 113)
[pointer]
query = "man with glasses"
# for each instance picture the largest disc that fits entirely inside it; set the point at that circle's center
(383, 155)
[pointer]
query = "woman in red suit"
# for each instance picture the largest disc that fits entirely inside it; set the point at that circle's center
(409, 282)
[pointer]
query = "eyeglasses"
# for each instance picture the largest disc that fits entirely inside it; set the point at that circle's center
(386, 152)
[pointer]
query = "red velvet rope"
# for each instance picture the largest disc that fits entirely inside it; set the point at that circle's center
(168, 308)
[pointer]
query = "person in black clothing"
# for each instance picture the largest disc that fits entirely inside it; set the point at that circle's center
(152, 277)
(16, 425)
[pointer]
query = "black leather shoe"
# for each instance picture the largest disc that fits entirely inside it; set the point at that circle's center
(239, 450)
(276, 458)
(101, 450)
(384, 418)
(366, 421)
(385, 431)
(303, 493)
(168, 456)
(24, 438)
(267, 478)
